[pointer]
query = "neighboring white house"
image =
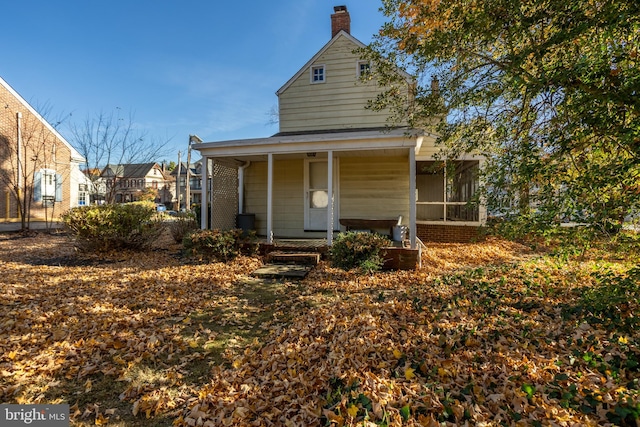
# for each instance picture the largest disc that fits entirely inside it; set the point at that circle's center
(127, 182)
(335, 165)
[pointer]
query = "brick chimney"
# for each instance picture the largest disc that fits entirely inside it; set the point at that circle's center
(340, 21)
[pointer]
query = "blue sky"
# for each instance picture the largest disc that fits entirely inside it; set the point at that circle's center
(180, 66)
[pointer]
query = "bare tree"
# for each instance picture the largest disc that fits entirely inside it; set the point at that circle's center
(28, 155)
(111, 139)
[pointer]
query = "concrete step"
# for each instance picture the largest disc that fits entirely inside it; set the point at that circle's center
(298, 258)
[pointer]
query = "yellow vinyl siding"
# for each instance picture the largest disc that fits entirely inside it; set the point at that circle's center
(288, 196)
(374, 187)
(338, 103)
(370, 187)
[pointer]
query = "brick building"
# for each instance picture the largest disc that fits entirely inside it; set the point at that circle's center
(39, 170)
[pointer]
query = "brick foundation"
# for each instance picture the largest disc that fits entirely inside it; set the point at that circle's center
(447, 233)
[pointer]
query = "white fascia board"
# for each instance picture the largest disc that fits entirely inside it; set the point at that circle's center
(343, 141)
(306, 66)
(75, 155)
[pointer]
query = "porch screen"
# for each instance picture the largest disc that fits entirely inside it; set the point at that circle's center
(224, 196)
(444, 190)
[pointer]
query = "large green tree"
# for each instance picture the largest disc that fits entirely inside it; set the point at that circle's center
(548, 90)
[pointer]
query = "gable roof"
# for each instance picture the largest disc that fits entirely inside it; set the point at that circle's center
(130, 170)
(183, 169)
(326, 47)
(75, 154)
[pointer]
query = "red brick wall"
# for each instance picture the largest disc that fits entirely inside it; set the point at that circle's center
(37, 149)
(447, 233)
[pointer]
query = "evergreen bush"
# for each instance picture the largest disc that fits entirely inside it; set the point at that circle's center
(358, 250)
(219, 245)
(109, 227)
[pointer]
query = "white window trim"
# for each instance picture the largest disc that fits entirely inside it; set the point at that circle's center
(44, 187)
(324, 73)
(358, 67)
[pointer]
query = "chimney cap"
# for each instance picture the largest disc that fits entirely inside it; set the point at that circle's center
(340, 21)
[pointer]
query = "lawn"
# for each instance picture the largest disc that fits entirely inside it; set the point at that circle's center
(489, 333)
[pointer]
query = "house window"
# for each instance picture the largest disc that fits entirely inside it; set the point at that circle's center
(317, 74)
(364, 68)
(47, 187)
(48, 183)
(83, 194)
(444, 190)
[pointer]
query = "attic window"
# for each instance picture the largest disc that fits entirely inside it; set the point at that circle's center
(364, 68)
(317, 74)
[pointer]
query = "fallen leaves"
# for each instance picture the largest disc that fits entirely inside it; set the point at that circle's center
(457, 341)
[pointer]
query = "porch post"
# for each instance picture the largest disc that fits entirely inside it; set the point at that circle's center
(330, 197)
(412, 199)
(204, 197)
(270, 198)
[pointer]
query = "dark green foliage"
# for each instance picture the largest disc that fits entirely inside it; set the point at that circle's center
(183, 224)
(109, 227)
(614, 301)
(358, 250)
(219, 245)
(547, 91)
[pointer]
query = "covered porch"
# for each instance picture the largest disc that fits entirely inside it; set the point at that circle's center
(302, 186)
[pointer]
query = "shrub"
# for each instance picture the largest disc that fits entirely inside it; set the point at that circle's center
(219, 245)
(108, 227)
(358, 250)
(183, 224)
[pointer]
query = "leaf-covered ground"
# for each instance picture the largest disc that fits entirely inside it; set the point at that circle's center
(489, 333)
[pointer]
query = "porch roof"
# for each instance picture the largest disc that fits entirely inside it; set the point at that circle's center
(357, 140)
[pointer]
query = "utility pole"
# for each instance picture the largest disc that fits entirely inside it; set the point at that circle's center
(192, 139)
(178, 181)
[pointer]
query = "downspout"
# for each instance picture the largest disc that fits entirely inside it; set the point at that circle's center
(241, 186)
(19, 137)
(19, 153)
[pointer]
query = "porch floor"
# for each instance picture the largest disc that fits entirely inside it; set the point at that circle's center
(294, 245)
(308, 244)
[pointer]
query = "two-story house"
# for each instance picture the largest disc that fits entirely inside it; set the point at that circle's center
(336, 165)
(128, 182)
(191, 195)
(40, 176)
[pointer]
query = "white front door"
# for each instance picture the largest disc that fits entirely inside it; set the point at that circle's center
(317, 195)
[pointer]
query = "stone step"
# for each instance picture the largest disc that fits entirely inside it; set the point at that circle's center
(282, 271)
(300, 258)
